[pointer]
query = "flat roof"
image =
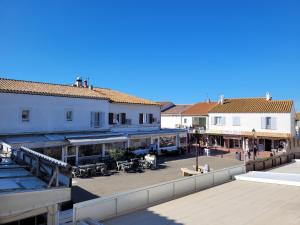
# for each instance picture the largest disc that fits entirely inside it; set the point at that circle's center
(293, 167)
(15, 178)
(233, 203)
(239, 202)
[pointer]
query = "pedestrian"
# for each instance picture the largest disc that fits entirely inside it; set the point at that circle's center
(249, 154)
(255, 150)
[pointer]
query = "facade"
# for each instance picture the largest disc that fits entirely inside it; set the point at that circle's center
(173, 117)
(298, 123)
(247, 122)
(192, 117)
(74, 123)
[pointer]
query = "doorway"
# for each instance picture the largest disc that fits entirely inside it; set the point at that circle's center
(268, 144)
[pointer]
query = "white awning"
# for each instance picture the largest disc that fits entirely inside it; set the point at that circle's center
(93, 141)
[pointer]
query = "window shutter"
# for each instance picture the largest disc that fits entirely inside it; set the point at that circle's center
(141, 117)
(223, 120)
(212, 120)
(111, 118)
(273, 123)
(123, 118)
(263, 122)
(150, 118)
(92, 119)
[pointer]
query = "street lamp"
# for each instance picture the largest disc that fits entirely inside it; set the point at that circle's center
(253, 137)
(197, 152)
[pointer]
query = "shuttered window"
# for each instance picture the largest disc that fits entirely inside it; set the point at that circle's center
(123, 118)
(150, 118)
(95, 119)
(111, 118)
(141, 118)
(269, 123)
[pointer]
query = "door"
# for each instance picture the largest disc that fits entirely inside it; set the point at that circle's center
(268, 145)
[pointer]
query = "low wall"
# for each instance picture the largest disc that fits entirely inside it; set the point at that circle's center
(270, 162)
(120, 204)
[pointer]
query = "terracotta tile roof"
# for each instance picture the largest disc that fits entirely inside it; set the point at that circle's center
(47, 89)
(119, 97)
(176, 110)
(253, 105)
(199, 109)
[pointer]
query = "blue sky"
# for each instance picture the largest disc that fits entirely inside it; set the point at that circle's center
(180, 51)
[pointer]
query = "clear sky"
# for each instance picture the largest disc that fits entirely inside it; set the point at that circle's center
(181, 51)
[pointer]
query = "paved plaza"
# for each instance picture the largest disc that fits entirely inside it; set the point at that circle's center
(168, 169)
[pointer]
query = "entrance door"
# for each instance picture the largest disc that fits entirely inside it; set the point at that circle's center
(268, 145)
(231, 143)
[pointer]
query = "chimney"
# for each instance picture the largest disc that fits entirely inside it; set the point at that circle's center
(268, 96)
(85, 84)
(78, 82)
(208, 100)
(221, 101)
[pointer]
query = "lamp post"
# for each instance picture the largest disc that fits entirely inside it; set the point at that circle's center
(253, 137)
(197, 152)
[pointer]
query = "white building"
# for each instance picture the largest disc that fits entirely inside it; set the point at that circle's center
(267, 123)
(172, 117)
(193, 117)
(76, 122)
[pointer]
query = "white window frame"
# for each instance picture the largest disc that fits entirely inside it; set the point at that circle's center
(219, 120)
(268, 123)
(95, 123)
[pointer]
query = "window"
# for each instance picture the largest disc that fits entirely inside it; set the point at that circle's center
(268, 123)
(167, 141)
(25, 115)
(69, 115)
(95, 119)
(236, 121)
(146, 118)
(117, 118)
(218, 120)
(185, 121)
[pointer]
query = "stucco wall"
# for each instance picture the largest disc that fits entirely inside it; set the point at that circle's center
(168, 121)
(47, 113)
(248, 121)
(132, 112)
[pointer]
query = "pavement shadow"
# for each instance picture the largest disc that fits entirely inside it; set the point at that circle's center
(144, 217)
(79, 194)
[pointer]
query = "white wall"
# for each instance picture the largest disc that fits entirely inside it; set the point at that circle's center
(248, 121)
(132, 112)
(170, 121)
(47, 113)
(189, 121)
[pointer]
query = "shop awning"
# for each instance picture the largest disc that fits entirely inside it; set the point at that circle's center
(93, 141)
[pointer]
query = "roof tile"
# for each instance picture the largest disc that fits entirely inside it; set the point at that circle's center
(47, 89)
(253, 105)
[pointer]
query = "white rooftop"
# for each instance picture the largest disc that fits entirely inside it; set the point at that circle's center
(234, 203)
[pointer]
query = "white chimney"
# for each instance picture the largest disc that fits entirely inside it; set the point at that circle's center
(221, 101)
(78, 82)
(268, 96)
